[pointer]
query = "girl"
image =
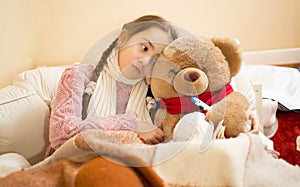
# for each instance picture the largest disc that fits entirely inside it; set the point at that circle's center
(112, 95)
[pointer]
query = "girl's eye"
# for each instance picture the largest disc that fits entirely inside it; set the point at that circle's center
(144, 48)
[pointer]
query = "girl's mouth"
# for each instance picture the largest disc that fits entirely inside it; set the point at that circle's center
(137, 69)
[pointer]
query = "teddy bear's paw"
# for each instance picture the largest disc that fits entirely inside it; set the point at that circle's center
(168, 138)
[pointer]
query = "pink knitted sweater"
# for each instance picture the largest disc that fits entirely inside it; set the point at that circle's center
(65, 119)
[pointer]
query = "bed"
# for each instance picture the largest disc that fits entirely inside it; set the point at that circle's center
(119, 158)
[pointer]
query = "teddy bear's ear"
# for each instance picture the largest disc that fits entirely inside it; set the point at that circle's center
(231, 51)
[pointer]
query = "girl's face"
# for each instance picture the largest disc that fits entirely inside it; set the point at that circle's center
(138, 54)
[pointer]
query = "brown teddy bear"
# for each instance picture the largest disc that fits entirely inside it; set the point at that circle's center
(199, 68)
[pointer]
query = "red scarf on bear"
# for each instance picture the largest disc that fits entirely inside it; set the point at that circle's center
(179, 105)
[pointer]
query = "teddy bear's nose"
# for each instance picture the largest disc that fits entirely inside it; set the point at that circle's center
(191, 76)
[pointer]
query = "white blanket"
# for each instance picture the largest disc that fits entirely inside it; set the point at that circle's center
(240, 161)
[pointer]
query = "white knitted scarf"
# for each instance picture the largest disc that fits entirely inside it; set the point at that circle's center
(103, 101)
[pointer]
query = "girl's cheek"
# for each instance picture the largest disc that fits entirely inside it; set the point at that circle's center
(148, 68)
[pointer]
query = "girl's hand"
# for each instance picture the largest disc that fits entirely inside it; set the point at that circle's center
(150, 134)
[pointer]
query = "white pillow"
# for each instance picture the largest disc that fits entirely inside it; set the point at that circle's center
(24, 119)
(42, 80)
(12, 162)
(24, 112)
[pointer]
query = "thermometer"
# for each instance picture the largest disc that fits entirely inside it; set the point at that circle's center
(200, 104)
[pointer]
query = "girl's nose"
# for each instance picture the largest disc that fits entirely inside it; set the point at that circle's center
(149, 60)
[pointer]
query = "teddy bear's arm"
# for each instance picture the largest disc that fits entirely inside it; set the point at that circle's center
(233, 110)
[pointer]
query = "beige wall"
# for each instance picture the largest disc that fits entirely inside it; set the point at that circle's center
(55, 32)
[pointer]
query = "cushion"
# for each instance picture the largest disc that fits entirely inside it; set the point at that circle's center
(24, 120)
(11, 162)
(43, 80)
(24, 112)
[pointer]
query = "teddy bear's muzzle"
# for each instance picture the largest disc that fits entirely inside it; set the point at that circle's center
(190, 82)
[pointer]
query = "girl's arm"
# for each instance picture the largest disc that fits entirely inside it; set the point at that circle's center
(65, 119)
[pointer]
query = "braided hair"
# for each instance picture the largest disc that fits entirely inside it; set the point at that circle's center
(137, 25)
